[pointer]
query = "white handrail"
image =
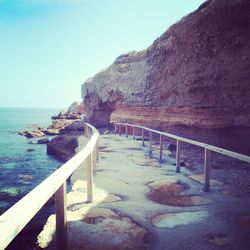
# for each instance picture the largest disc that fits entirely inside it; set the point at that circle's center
(207, 148)
(18, 216)
(223, 151)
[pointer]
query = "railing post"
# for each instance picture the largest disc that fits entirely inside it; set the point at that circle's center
(178, 156)
(90, 132)
(150, 142)
(161, 149)
(85, 130)
(93, 158)
(89, 178)
(143, 138)
(126, 130)
(133, 132)
(61, 218)
(97, 150)
(120, 129)
(207, 166)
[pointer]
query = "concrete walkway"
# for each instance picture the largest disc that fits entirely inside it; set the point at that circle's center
(141, 204)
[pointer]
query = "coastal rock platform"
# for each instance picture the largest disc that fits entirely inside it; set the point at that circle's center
(141, 205)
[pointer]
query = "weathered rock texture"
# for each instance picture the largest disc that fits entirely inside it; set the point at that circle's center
(63, 146)
(76, 107)
(196, 74)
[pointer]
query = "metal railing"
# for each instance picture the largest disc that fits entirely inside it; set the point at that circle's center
(207, 148)
(18, 216)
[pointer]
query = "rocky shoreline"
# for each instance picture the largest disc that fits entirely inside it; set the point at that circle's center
(65, 128)
(59, 125)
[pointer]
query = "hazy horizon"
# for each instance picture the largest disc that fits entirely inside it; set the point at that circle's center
(32, 107)
(49, 48)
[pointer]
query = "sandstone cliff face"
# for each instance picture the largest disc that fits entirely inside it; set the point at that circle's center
(121, 83)
(196, 74)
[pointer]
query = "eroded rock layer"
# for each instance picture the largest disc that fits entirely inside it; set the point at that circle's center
(196, 74)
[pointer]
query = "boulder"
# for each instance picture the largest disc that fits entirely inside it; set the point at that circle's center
(172, 147)
(31, 134)
(75, 127)
(60, 115)
(74, 111)
(51, 131)
(54, 117)
(62, 147)
(57, 127)
(43, 141)
(60, 124)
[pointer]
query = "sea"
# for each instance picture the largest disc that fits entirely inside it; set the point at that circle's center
(23, 165)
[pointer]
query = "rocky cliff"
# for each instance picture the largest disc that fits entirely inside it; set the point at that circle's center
(196, 74)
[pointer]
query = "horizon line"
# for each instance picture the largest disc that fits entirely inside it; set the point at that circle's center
(25, 107)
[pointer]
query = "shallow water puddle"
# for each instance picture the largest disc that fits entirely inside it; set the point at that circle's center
(168, 193)
(93, 220)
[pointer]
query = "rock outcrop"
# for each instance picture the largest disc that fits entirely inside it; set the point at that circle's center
(196, 74)
(76, 107)
(61, 123)
(62, 147)
(75, 110)
(67, 127)
(70, 127)
(38, 132)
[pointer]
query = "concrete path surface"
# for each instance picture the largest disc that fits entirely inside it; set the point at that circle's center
(141, 204)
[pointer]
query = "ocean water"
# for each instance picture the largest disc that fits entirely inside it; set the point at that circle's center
(21, 170)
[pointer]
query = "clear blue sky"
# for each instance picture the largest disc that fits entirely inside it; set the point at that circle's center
(48, 48)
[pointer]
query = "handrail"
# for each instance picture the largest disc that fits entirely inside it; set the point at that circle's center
(208, 148)
(29, 205)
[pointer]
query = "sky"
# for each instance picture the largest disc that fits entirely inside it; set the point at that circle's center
(48, 48)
